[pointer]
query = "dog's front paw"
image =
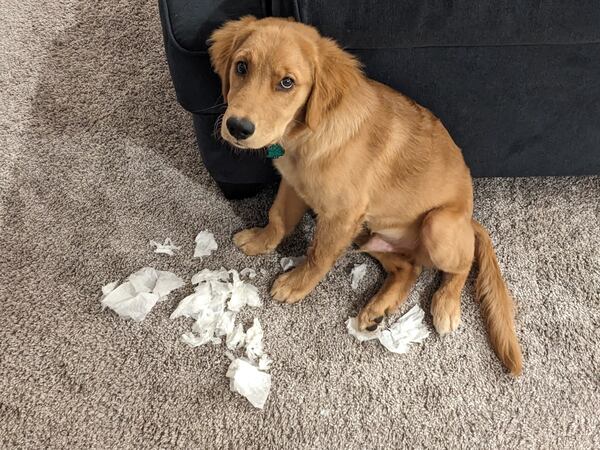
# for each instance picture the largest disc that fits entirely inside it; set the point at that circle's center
(254, 241)
(294, 285)
(373, 313)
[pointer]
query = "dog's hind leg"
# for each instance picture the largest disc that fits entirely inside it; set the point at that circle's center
(402, 274)
(447, 243)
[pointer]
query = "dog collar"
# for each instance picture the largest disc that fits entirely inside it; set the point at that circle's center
(275, 151)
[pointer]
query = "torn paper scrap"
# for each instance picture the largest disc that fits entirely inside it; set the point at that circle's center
(248, 272)
(352, 325)
(159, 282)
(194, 303)
(221, 275)
(108, 288)
(167, 248)
(166, 282)
(289, 262)
(254, 344)
(206, 325)
(205, 244)
(242, 294)
(218, 281)
(236, 338)
(137, 296)
(249, 381)
(129, 303)
(192, 340)
(264, 363)
(358, 273)
(225, 324)
(409, 329)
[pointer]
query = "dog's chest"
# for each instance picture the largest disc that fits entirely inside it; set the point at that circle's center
(306, 181)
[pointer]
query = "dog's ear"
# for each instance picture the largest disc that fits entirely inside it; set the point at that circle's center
(336, 73)
(224, 42)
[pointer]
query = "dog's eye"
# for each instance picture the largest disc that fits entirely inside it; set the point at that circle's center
(241, 68)
(286, 83)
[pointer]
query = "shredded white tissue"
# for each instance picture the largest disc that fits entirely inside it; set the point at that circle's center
(242, 294)
(225, 324)
(264, 363)
(206, 325)
(129, 303)
(409, 329)
(205, 244)
(254, 344)
(248, 272)
(166, 283)
(352, 325)
(167, 247)
(236, 338)
(212, 276)
(358, 273)
(194, 303)
(192, 340)
(249, 381)
(289, 262)
(137, 296)
(108, 288)
(157, 281)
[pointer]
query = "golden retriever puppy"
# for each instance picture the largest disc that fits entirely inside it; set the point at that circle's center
(374, 166)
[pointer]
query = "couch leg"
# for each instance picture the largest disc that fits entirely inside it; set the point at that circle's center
(237, 191)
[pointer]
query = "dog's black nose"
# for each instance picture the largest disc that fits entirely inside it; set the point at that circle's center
(240, 128)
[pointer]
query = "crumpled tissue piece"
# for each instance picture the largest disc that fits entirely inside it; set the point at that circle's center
(242, 294)
(207, 306)
(264, 363)
(212, 276)
(249, 381)
(192, 340)
(225, 324)
(158, 282)
(236, 338)
(108, 288)
(194, 303)
(289, 262)
(206, 326)
(254, 344)
(143, 289)
(205, 244)
(167, 247)
(218, 280)
(358, 273)
(248, 272)
(409, 329)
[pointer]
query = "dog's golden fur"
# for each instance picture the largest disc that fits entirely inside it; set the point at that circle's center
(375, 167)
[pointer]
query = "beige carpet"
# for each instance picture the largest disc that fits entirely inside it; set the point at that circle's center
(97, 158)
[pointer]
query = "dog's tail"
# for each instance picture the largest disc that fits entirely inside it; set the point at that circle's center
(496, 303)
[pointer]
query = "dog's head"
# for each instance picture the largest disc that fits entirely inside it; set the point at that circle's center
(277, 75)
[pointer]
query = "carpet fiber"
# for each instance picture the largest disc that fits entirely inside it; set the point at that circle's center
(97, 158)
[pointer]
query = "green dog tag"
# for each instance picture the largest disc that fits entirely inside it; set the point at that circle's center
(275, 151)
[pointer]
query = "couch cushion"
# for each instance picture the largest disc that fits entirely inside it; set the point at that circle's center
(192, 21)
(422, 23)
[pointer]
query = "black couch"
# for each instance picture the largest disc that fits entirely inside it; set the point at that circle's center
(516, 82)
